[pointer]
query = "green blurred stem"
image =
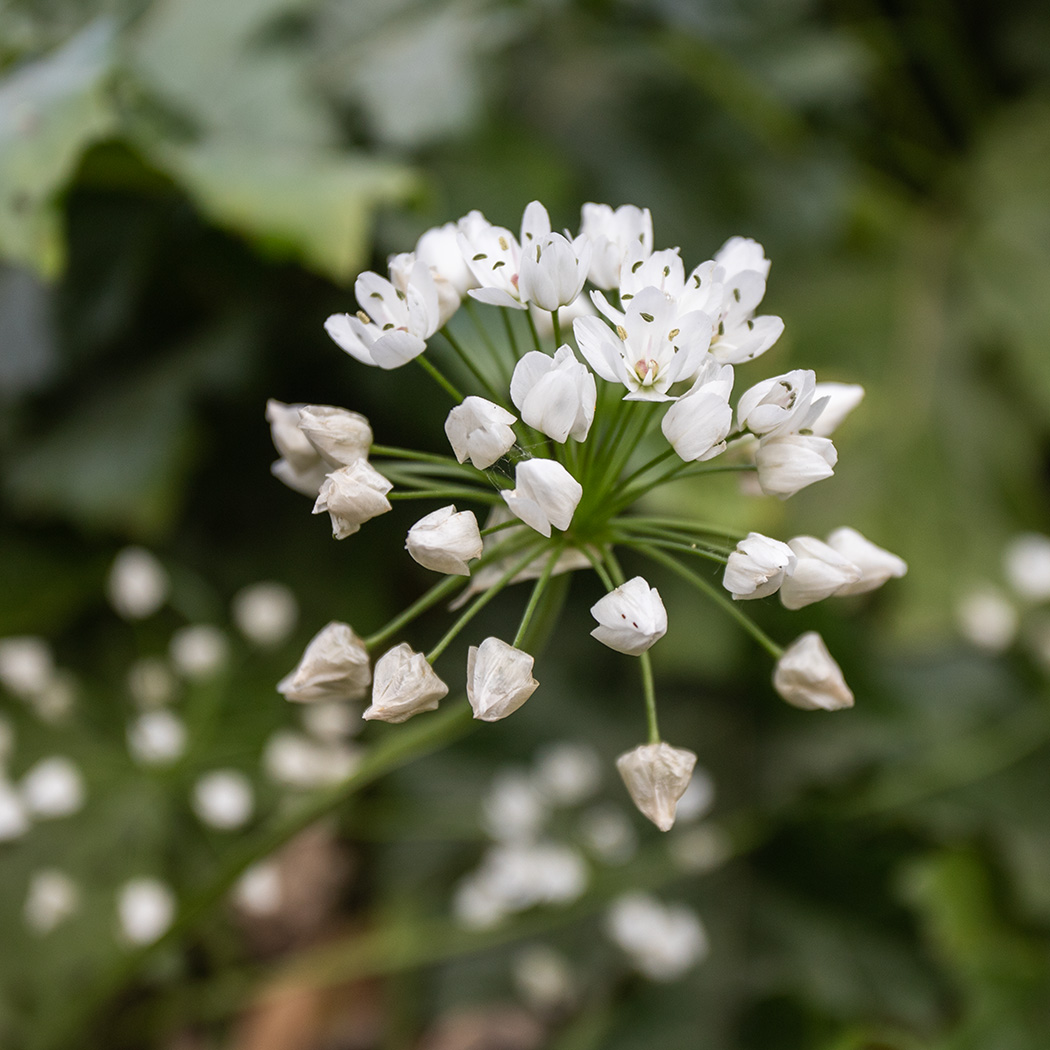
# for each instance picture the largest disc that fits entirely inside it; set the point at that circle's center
(537, 593)
(717, 597)
(431, 369)
(643, 543)
(508, 325)
(471, 307)
(472, 366)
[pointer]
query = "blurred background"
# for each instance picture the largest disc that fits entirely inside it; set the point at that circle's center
(187, 189)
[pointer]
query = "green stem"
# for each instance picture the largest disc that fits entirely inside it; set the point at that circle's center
(472, 366)
(494, 350)
(435, 374)
(599, 569)
(649, 690)
(480, 495)
(557, 328)
(536, 342)
(509, 327)
(417, 608)
(677, 473)
(391, 452)
(642, 543)
(656, 461)
(715, 595)
(683, 524)
(537, 593)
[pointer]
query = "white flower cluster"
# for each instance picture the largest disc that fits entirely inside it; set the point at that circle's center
(562, 442)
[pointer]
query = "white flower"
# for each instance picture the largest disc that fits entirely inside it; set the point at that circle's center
(480, 430)
(445, 540)
(53, 787)
(351, 496)
(156, 738)
(137, 585)
(663, 941)
(742, 254)
(499, 679)
(494, 254)
(740, 271)
(404, 684)
(439, 248)
(842, 398)
(819, 572)
(757, 567)
(300, 466)
(198, 651)
(14, 821)
(656, 776)
(145, 908)
(654, 347)
(265, 613)
(53, 897)
(340, 437)
(555, 395)
(806, 676)
(697, 424)
(544, 494)
(396, 317)
(27, 666)
(224, 799)
(553, 270)
(781, 405)
(334, 666)
(1027, 566)
(631, 618)
(876, 565)
(611, 233)
(790, 462)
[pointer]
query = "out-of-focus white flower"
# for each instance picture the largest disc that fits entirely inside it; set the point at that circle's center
(53, 787)
(137, 585)
(445, 540)
(514, 809)
(567, 773)
(150, 682)
(742, 255)
(819, 572)
(479, 430)
(224, 799)
(698, 798)
(757, 567)
(300, 466)
(395, 318)
(653, 347)
(611, 234)
(988, 619)
(439, 249)
(499, 679)
(27, 666)
(840, 400)
(403, 685)
(145, 910)
(53, 897)
(806, 676)
(199, 652)
(662, 941)
(260, 890)
(553, 270)
(14, 822)
(265, 613)
(7, 742)
(297, 761)
(351, 496)
(656, 777)
(1026, 563)
(334, 666)
(739, 273)
(697, 424)
(606, 831)
(555, 395)
(702, 849)
(876, 565)
(543, 977)
(631, 618)
(55, 702)
(789, 462)
(339, 436)
(783, 404)
(157, 738)
(331, 720)
(544, 494)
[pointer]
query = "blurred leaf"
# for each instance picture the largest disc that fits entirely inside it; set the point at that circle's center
(50, 111)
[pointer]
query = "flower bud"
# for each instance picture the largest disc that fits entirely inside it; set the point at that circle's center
(300, 466)
(819, 572)
(656, 776)
(499, 679)
(341, 437)
(842, 398)
(545, 494)
(876, 565)
(404, 684)
(445, 541)
(555, 395)
(789, 463)
(806, 676)
(630, 618)
(757, 567)
(553, 270)
(479, 430)
(352, 496)
(611, 233)
(780, 405)
(334, 666)
(697, 423)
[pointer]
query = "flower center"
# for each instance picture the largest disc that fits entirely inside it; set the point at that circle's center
(646, 368)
